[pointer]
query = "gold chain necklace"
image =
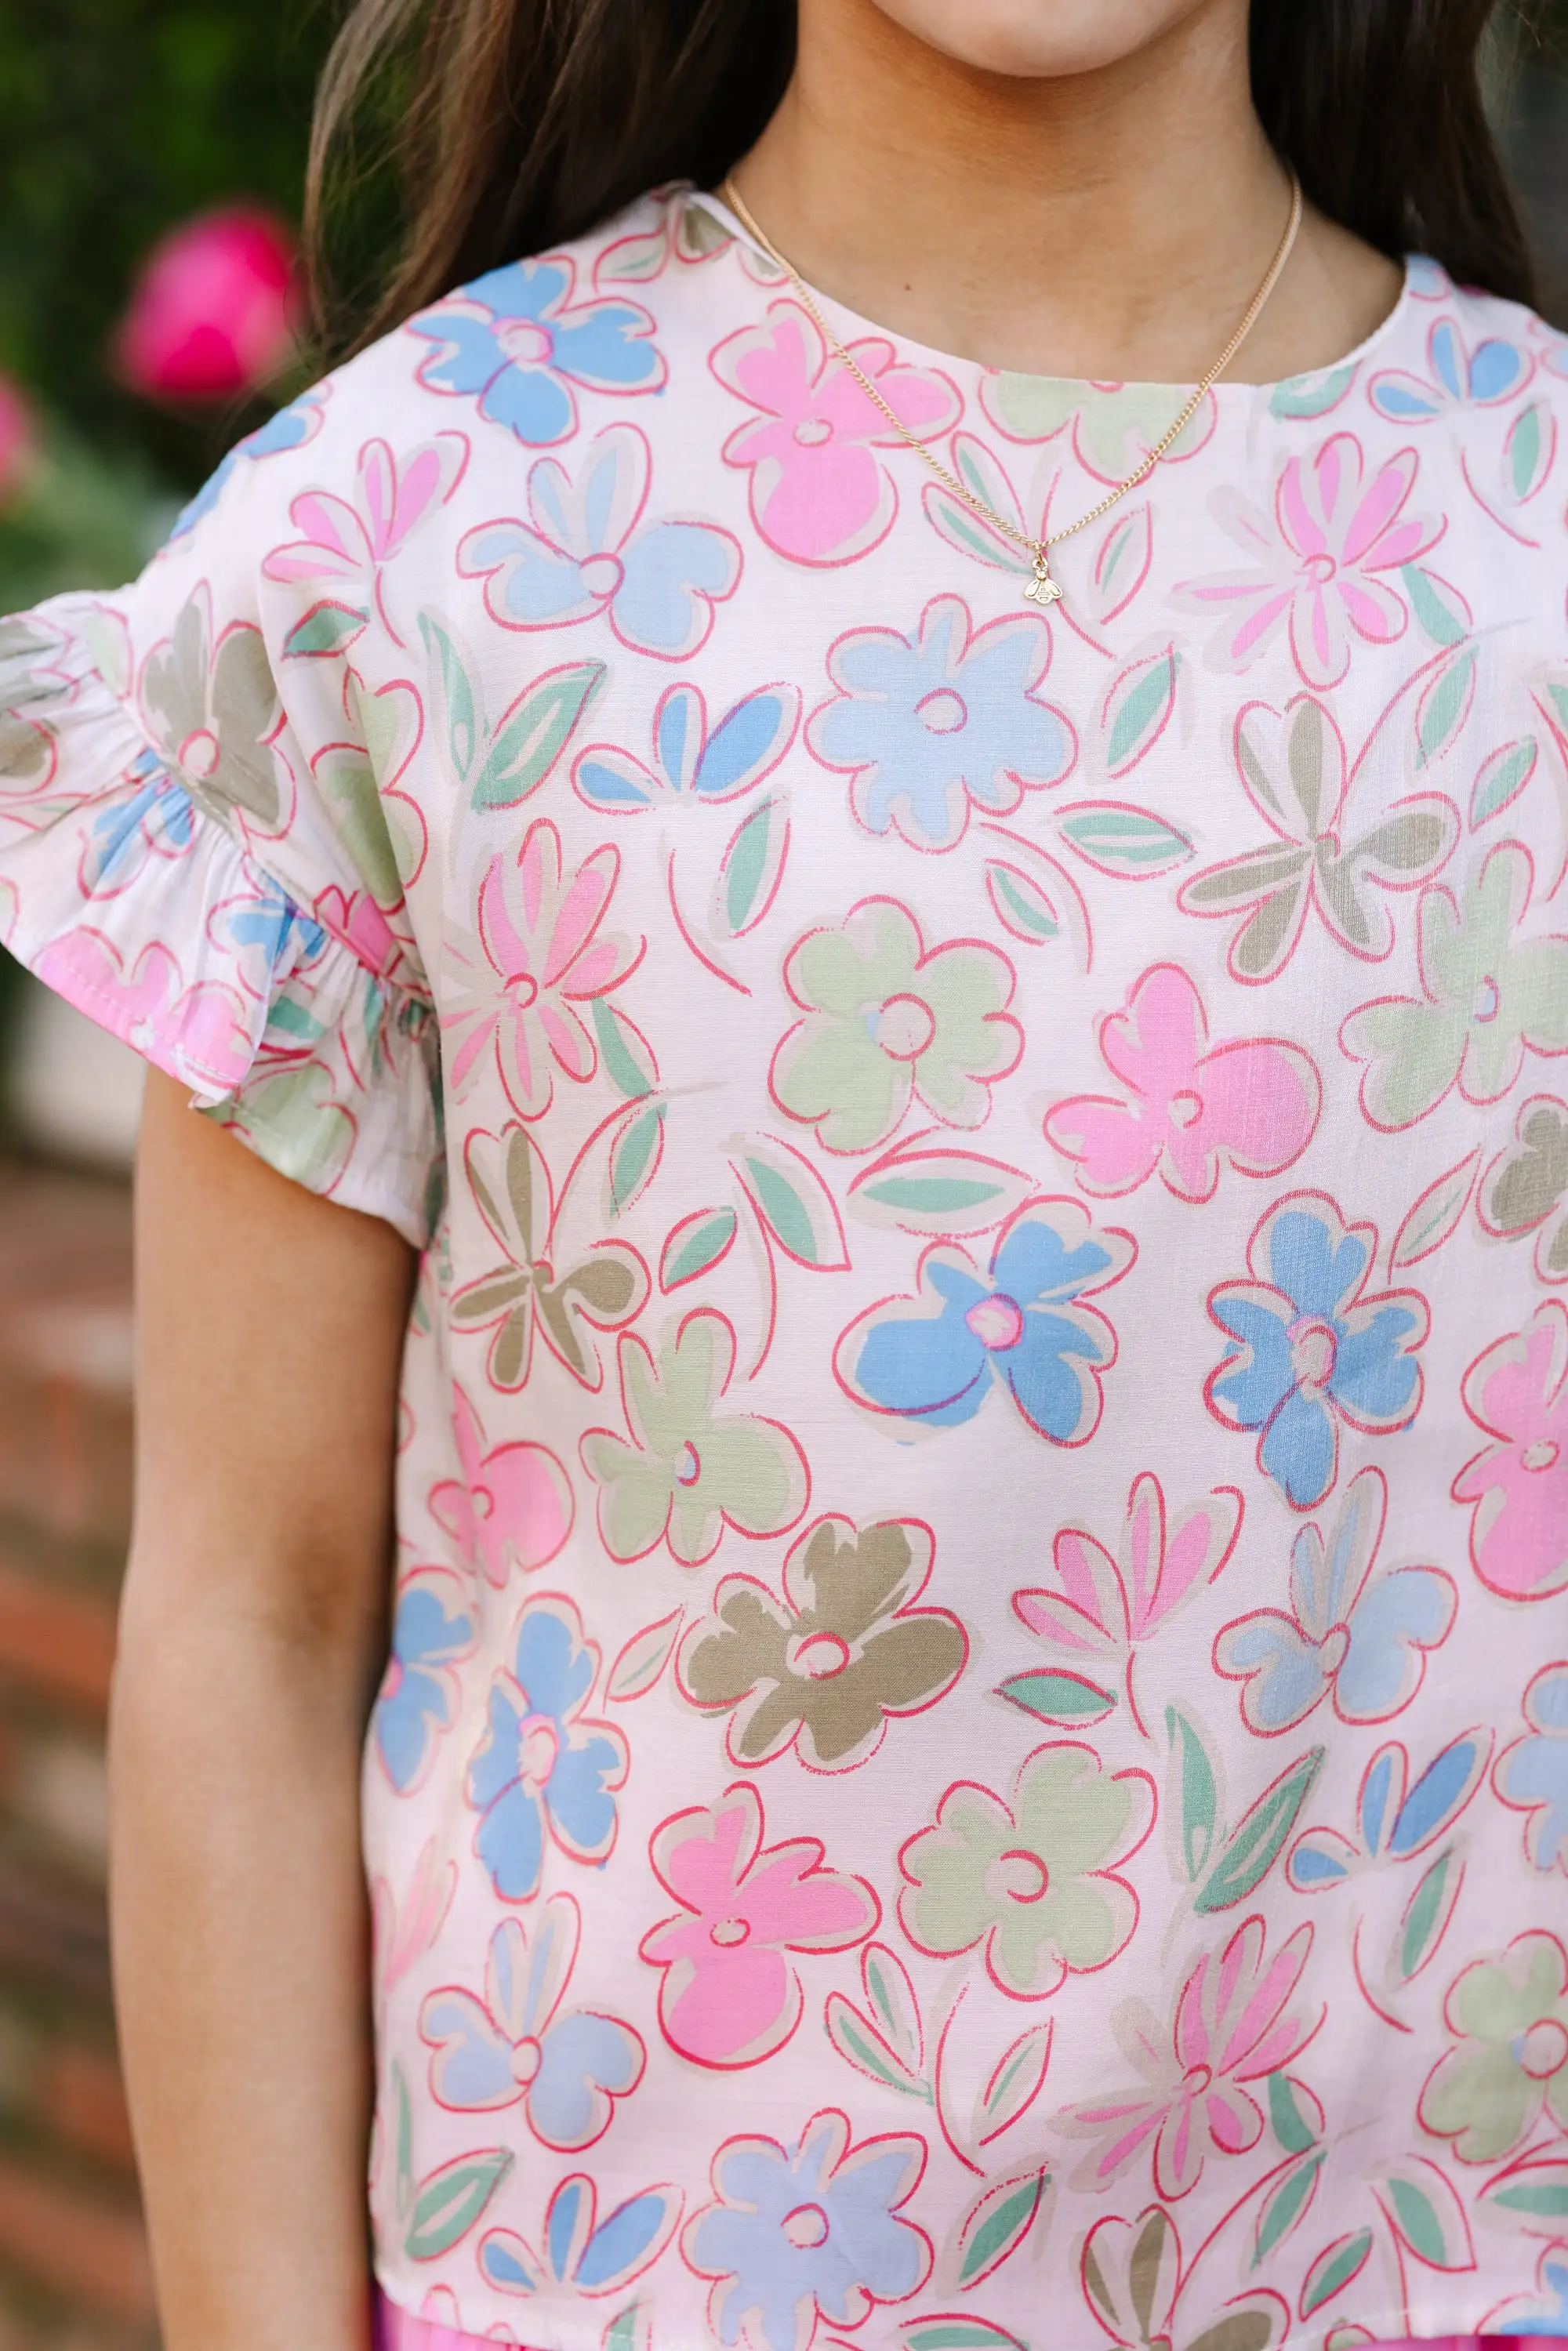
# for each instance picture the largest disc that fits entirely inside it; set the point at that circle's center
(1042, 589)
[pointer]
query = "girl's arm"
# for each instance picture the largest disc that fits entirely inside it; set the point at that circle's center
(270, 1330)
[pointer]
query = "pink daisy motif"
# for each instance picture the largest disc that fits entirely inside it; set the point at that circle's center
(820, 494)
(197, 1033)
(539, 955)
(1235, 2022)
(1518, 1393)
(729, 1995)
(1252, 1105)
(348, 543)
(1320, 562)
(511, 1509)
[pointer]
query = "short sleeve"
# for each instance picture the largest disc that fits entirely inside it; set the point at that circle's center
(196, 849)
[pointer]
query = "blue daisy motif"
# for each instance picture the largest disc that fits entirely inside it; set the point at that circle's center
(588, 548)
(1020, 1328)
(1357, 1633)
(1308, 1349)
(928, 725)
(1458, 377)
(1545, 2312)
(543, 1770)
(431, 1630)
(515, 2044)
(515, 340)
(808, 2232)
(1533, 1774)
(291, 428)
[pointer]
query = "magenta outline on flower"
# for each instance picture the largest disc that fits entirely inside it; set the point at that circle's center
(538, 935)
(727, 1994)
(1105, 1606)
(818, 494)
(1319, 558)
(1251, 1103)
(1232, 2024)
(352, 541)
(1516, 1390)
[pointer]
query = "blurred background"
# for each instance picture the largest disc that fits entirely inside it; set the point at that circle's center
(152, 153)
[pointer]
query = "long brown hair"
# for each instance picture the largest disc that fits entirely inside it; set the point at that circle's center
(522, 123)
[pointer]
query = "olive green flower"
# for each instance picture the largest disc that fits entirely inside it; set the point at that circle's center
(213, 710)
(824, 1670)
(886, 1021)
(1512, 2015)
(1033, 1880)
(1490, 999)
(690, 1470)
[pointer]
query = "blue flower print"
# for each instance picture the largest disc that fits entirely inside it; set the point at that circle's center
(1307, 1350)
(587, 550)
(1533, 1774)
(1458, 378)
(1020, 1328)
(158, 820)
(581, 2253)
(1361, 1634)
(272, 935)
(514, 340)
(1546, 2311)
(809, 2232)
(542, 1770)
(928, 724)
(432, 1629)
(693, 766)
(567, 2071)
(291, 428)
(1395, 1819)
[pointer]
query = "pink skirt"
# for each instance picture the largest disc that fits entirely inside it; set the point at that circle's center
(400, 2330)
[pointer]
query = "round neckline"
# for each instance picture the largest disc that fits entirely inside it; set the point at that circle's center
(858, 329)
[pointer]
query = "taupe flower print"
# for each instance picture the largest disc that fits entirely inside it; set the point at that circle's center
(1295, 773)
(27, 689)
(603, 1290)
(1525, 1189)
(215, 712)
(823, 1669)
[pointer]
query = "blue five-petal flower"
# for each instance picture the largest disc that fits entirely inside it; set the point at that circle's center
(522, 359)
(415, 1700)
(539, 1770)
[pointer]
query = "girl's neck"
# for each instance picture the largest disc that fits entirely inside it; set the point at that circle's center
(1111, 224)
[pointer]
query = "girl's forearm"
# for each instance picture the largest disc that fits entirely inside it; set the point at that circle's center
(241, 1963)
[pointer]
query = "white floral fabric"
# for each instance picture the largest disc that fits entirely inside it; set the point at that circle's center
(976, 1744)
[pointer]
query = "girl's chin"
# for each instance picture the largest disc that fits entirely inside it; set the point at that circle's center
(1038, 39)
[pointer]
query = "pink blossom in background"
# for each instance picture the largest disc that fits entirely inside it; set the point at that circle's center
(16, 445)
(214, 310)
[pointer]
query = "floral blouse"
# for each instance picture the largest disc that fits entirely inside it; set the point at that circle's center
(977, 1732)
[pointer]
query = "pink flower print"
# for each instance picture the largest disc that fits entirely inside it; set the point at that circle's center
(198, 1034)
(363, 927)
(539, 954)
(729, 1995)
(1320, 561)
(1102, 1608)
(349, 543)
(1517, 1390)
(819, 492)
(1252, 1105)
(511, 1509)
(1237, 2021)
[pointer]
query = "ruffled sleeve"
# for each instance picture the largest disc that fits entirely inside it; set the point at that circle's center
(182, 861)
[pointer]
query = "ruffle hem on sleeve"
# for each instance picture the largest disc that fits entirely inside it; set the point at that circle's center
(140, 908)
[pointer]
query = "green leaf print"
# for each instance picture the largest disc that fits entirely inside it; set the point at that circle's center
(1061, 1698)
(1427, 1915)
(628, 1064)
(1253, 1847)
(794, 1205)
(997, 2225)
(1500, 778)
(1130, 842)
(1335, 2267)
(531, 735)
(696, 1246)
(329, 629)
(1444, 708)
(956, 2334)
(750, 868)
(1426, 2214)
(1196, 1809)
(1021, 905)
(634, 1156)
(450, 2200)
(1137, 707)
(862, 2046)
(1286, 2205)
(1529, 2194)
(1292, 2129)
(1443, 617)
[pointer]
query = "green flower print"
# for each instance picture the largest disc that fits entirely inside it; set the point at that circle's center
(690, 1470)
(1113, 427)
(886, 1021)
(824, 1670)
(213, 711)
(1033, 1881)
(1512, 2013)
(1489, 1000)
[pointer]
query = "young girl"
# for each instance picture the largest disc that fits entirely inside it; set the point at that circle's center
(942, 938)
